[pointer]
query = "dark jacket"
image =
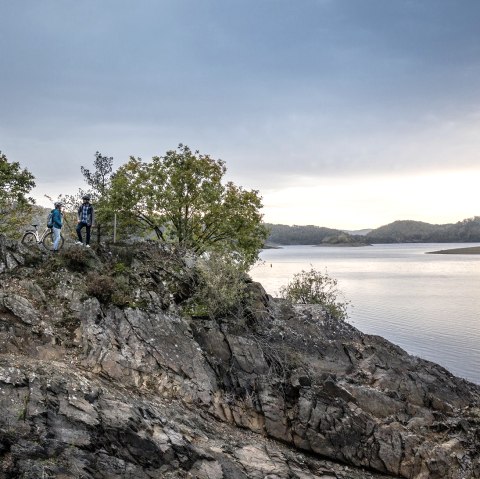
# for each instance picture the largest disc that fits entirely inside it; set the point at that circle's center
(90, 214)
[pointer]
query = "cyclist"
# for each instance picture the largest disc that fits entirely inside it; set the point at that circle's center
(57, 225)
(86, 217)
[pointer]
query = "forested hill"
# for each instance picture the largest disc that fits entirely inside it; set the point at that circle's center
(314, 235)
(408, 231)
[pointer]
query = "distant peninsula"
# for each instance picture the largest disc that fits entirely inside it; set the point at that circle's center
(471, 250)
(281, 235)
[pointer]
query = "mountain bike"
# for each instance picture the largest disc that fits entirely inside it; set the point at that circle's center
(32, 237)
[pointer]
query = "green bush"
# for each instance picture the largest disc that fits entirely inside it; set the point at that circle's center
(313, 287)
(219, 286)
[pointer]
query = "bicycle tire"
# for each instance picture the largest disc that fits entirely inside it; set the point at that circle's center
(48, 241)
(29, 238)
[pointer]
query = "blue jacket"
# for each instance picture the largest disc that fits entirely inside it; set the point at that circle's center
(57, 218)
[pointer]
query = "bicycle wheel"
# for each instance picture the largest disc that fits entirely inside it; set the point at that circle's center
(48, 241)
(29, 238)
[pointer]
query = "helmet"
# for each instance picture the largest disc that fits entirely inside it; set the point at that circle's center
(86, 197)
(58, 203)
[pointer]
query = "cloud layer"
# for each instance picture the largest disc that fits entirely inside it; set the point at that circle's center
(282, 91)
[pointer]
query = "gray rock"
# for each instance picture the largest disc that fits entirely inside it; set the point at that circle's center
(92, 390)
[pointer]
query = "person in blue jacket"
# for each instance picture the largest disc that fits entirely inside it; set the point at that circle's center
(57, 225)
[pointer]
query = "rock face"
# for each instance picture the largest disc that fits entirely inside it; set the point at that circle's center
(130, 388)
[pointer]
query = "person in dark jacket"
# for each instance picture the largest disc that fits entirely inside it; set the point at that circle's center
(86, 217)
(57, 225)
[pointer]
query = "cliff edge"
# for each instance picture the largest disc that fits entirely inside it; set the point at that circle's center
(103, 376)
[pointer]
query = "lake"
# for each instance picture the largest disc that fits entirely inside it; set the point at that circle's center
(427, 304)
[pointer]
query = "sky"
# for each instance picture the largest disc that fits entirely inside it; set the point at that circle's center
(348, 114)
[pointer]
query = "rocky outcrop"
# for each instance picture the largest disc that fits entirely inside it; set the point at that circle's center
(115, 388)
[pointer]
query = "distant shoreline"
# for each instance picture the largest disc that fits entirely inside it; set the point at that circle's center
(471, 250)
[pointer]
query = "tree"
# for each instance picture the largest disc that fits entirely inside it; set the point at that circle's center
(99, 179)
(15, 184)
(99, 182)
(181, 197)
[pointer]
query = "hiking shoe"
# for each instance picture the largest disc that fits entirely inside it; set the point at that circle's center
(87, 245)
(78, 242)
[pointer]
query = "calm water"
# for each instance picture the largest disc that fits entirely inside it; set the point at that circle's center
(427, 304)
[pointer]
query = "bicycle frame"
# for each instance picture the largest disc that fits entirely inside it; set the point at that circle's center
(45, 238)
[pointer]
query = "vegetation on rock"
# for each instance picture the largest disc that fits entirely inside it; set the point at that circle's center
(15, 185)
(314, 287)
(181, 197)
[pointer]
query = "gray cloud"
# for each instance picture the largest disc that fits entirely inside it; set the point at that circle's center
(276, 88)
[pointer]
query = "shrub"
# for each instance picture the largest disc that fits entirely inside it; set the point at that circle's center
(219, 286)
(313, 287)
(101, 286)
(77, 259)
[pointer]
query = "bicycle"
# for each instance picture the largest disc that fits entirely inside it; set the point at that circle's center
(31, 237)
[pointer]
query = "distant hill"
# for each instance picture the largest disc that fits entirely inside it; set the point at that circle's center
(310, 235)
(403, 231)
(409, 231)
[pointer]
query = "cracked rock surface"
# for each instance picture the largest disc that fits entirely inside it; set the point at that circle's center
(91, 388)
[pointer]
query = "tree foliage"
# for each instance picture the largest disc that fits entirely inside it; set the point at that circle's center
(15, 185)
(313, 287)
(99, 178)
(181, 197)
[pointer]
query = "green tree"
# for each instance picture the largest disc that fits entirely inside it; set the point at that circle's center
(15, 205)
(181, 197)
(99, 182)
(99, 178)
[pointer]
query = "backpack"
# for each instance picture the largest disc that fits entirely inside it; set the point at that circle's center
(50, 219)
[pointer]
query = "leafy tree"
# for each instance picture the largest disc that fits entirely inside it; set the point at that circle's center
(181, 197)
(99, 179)
(99, 182)
(313, 287)
(15, 184)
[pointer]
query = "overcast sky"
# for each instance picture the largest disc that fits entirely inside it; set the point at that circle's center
(343, 113)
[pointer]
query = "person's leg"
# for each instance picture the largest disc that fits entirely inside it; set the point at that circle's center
(87, 241)
(56, 238)
(79, 231)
